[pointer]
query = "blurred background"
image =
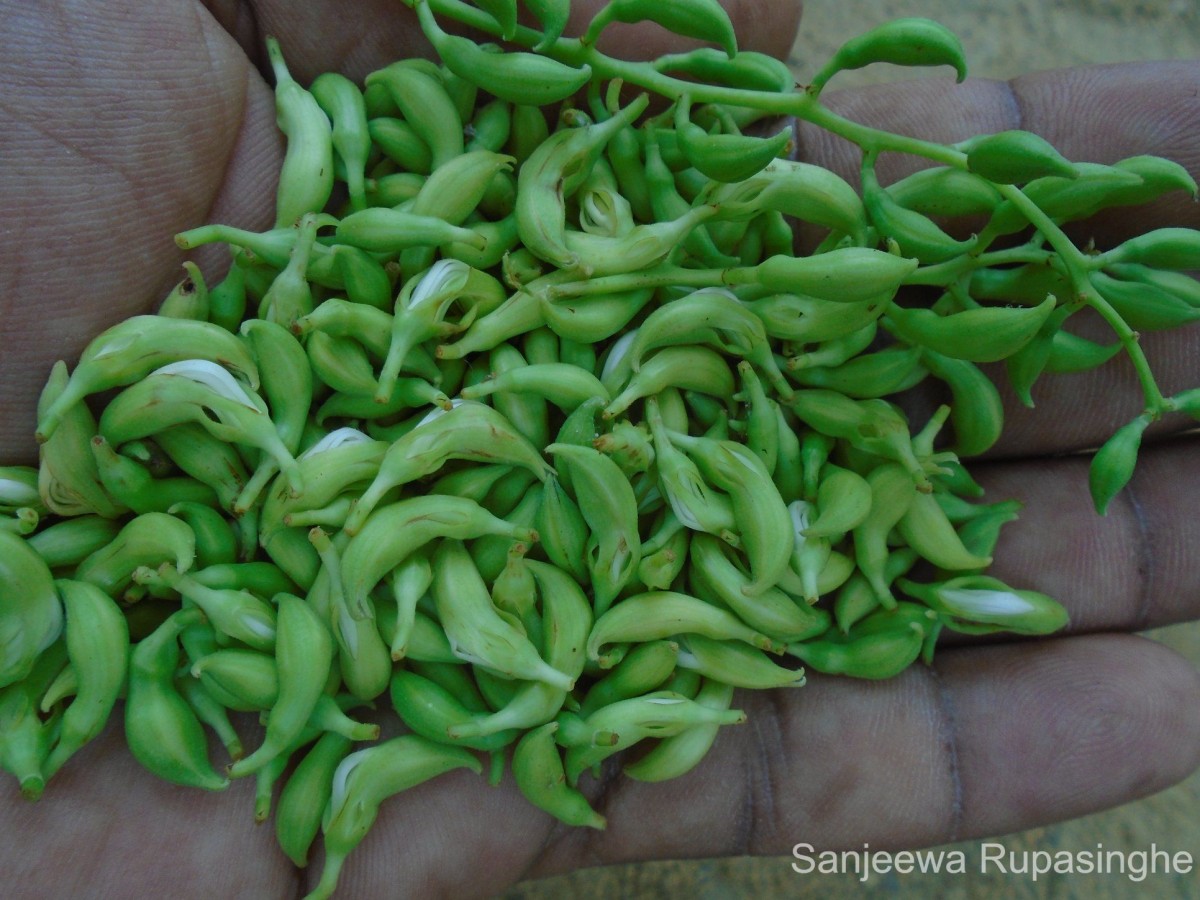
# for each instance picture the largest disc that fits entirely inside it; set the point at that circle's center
(1009, 37)
(1002, 39)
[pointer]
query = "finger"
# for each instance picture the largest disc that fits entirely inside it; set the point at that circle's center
(1078, 411)
(1091, 113)
(992, 740)
(1129, 570)
(118, 131)
(1094, 721)
(1098, 114)
(355, 40)
(106, 827)
(189, 138)
(455, 836)
(1002, 702)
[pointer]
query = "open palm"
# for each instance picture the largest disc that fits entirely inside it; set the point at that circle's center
(120, 128)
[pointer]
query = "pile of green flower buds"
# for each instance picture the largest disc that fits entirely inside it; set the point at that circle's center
(526, 421)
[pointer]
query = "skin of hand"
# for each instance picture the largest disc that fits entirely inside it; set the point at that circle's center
(120, 128)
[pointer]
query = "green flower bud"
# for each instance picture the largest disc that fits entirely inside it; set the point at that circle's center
(901, 42)
(1013, 157)
(1113, 464)
(980, 604)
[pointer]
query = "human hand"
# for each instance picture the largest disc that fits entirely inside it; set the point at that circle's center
(1092, 720)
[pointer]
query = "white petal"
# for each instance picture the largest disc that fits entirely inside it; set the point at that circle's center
(444, 276)
(801, 514)
(340, 437)
(341, 774)
(983, 601)
(259, 627)
(682, 512)
(214, 377)
(17, 493)
(617, 352)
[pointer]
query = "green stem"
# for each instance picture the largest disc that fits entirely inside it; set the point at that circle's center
(801, 105)
(943, 274)
(805, 106)
(1078, 266)
(661, 276)
(873, 140)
